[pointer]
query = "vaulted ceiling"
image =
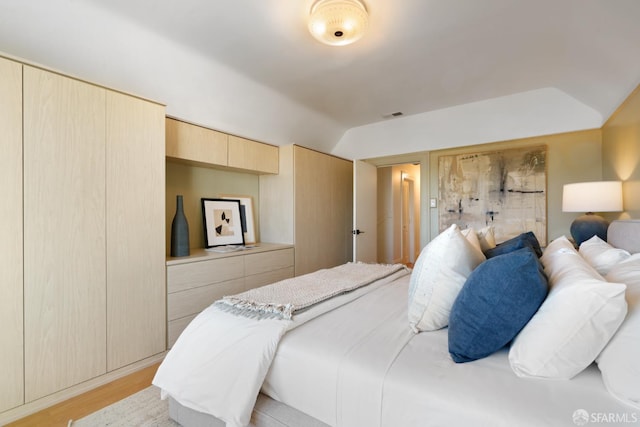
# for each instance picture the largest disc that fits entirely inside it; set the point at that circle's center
(250, 67)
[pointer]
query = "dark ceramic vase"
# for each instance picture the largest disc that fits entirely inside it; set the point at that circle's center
(179, 231)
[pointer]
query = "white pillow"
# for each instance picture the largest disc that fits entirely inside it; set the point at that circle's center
(561, 244)
(577, 319)
(601, 255)
(486, 238)
(437, 277)
(619, 362)
(471, 235)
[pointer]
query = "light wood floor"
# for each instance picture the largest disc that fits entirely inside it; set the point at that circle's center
(89, 402)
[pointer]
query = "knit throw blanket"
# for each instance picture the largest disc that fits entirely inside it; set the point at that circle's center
(281, 300)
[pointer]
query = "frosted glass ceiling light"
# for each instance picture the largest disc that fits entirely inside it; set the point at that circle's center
(338, 22)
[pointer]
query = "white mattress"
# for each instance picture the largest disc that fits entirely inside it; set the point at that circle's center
(367, 368)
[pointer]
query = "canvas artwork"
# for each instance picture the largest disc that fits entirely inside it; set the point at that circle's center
(505, 188)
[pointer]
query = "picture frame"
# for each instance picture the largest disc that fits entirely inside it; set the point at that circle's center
(246, 215)
(222, 222)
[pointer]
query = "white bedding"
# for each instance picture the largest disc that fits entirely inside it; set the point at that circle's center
(219, 362)
(327, 354)
(371, 370)
(354, 361)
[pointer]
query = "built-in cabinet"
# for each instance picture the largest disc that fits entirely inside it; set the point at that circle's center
(196, 281)
(136, 291)
(195, 144)
(64, 233)
(250, 155)
(201, 146)
(310, 205)
(11, 267)
(89, 171)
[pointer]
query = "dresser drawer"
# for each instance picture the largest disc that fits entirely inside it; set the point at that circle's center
(201, 273)
(268, 261)
(196, 281)
(267, 278)
(193, 301)
(175, 329)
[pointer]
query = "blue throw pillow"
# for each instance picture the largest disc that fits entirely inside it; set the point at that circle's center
(523, 240)
(495, 303)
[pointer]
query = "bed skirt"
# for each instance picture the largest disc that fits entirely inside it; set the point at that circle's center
(266, 413)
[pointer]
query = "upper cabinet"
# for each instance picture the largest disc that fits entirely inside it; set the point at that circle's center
(195, 144)
(201, 146)
(252, 155)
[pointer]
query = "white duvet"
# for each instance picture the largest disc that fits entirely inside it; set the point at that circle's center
(362, 366)
(218, 364)
(359, 364)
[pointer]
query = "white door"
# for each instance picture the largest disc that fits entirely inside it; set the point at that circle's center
(365, 212)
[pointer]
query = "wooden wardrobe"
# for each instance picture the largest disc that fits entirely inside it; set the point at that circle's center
(82, 263)
(309, 204)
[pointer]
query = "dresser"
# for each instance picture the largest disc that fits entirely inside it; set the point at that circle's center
(196, 281)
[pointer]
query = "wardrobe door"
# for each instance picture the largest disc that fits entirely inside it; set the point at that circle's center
(64, 232)
(323, 210)
(11, 355)
(136, 290)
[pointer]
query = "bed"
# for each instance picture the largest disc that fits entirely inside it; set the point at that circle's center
(359, 361)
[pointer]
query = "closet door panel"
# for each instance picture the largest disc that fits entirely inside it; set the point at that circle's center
(11, 352)
(64, 232)
(136, 290)
(323, 210)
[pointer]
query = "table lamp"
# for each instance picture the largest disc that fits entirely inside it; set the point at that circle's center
(590, 197)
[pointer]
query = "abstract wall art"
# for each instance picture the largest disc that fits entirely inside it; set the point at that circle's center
(506, 189)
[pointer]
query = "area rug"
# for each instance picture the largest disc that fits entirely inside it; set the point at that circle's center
(141, 409)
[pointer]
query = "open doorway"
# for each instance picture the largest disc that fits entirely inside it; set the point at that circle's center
(398, 225)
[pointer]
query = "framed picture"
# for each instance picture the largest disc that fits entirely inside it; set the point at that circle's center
(246, 215)
(222, 222)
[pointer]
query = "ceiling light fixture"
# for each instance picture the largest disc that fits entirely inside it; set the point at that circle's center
(338, 22)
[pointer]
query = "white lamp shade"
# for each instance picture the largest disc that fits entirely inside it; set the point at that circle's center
(598, 196)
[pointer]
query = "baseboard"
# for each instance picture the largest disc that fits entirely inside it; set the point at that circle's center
(55, 398)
